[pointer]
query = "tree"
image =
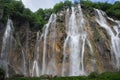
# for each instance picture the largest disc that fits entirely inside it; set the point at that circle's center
(67, 3)
(58, 7)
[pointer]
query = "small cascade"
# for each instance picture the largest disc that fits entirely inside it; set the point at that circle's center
(25, 51)
(36, 67)
(65, 44)
(22, 68)
(93, 61)
(51, 68)
(24, 63)
(115, 40)
(7, 45)
(50, 23)
(76, 38)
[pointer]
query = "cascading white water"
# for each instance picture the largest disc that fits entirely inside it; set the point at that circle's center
(76, 37)
(23, 69)
(24, 53)
(24, 63)
(65, 44)
(115, 40)
(65, 55)
(6, 46)
(93, 61)
(51, 68)
(36, 67)
(45, 34)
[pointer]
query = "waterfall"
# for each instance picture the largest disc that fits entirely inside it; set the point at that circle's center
(24, 63)
(93, 61)
(51, 68)
(70, 47)
(23, 68)
(36, 67)
(7, 45)
(45, 34)
(25, 51)
(65, 44)
(76, 38)
(115, 40)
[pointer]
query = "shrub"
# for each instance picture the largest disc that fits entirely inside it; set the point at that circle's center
(2, 74)
(93, 75)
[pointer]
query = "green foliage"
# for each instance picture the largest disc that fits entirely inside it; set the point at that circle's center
(2, 74)
(45, 14)
(97, 36)
(25, 78)
(58, 7)
(67, 4)
(17, 12)
(112, 10)
(42, 17)
(92, 76)
(110, 76)
(62, 5)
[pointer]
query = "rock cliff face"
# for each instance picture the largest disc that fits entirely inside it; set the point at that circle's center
(53, 51)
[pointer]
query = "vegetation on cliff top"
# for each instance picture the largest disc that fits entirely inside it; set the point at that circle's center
(112, 10)
(16, 11)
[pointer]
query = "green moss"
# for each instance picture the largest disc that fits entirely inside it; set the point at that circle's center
(97, 36)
